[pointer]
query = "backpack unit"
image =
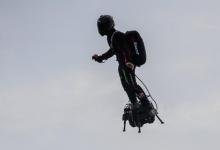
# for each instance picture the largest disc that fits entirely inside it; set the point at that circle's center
(137, 48)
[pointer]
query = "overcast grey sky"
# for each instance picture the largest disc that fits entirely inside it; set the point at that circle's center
(53, 96)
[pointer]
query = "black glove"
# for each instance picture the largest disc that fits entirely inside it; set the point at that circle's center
(97, 58)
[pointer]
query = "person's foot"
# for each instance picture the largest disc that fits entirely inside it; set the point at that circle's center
(135, 106)
(153, 112)
(151, 115)
(141, 95)
(150, 110)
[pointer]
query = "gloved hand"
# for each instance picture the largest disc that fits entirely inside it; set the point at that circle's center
(97, 58)
(130, 65)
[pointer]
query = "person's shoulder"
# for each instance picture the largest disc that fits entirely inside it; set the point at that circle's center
(117, 35)
(118, 38)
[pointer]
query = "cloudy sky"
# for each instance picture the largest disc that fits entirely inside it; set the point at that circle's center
(53, 96)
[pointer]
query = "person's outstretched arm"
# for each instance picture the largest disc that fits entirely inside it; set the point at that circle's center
(104, 56)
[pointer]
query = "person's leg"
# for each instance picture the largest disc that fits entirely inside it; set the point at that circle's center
(133, 91)
(141, 95)
(132, 84)
(135, 88)
(127, 84)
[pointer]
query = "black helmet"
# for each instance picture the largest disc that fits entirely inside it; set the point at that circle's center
(105, 23)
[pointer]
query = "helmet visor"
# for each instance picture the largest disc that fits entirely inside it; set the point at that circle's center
(102, 28)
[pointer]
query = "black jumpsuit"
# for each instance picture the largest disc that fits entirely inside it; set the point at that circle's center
(119, 47)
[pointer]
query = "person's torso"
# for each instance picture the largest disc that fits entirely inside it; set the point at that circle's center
(120, 53)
